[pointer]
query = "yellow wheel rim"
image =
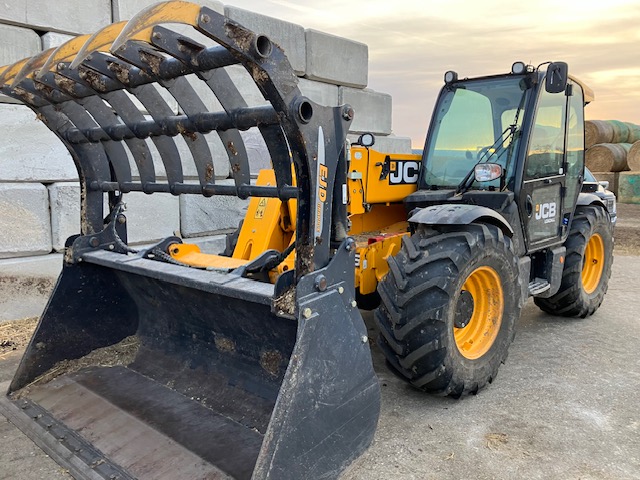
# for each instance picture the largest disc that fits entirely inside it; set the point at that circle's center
(593, 263)
(477, 336)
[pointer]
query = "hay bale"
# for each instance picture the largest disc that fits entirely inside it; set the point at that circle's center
(620, 131)
(597, 131)
(607, 157)
(634, 133)
(633, 157)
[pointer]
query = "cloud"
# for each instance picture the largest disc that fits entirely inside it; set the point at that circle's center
(412, 44)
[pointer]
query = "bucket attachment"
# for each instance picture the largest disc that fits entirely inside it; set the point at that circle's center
(142, 367)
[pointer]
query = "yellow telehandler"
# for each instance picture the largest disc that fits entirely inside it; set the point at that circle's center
(165, 362)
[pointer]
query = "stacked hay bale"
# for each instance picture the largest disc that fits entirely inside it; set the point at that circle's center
(613, 154)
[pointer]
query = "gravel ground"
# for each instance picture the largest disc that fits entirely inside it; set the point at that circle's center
(563, 406)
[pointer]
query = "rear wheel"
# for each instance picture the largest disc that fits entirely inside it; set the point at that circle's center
(587, 267)
(449, 307)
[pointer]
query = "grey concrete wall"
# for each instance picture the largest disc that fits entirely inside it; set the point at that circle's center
(39, 193)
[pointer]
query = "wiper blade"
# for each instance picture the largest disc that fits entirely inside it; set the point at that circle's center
(498, 146)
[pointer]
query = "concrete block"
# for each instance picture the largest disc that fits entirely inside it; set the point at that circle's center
(246, 86)
(68, 17)
(151, 217)
(127, 9)
(164, 93)
(240, 79)
(88, 16)
(5, 99)
(388, 144)
(14, 11)
(214, 244)
(17, 43)
(629, 187)
(338, 60)
(64, 201)
(322, 93)
(289, 36)
(221, 164)
(259, 157)
(25, 226)
(373, 110)
(30, 152)
(53, 39)
(200, 216)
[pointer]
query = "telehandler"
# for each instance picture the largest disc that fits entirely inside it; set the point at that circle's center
(164, 362)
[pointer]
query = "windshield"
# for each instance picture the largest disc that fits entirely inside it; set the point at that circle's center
(476, 121)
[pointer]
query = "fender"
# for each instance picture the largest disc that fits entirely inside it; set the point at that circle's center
(462, 214)
(585, 199)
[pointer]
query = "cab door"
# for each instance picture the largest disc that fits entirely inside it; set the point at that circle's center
(542, 194)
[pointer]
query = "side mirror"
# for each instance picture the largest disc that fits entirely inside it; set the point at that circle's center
(604, 184)
(486, 172)
(557, 77)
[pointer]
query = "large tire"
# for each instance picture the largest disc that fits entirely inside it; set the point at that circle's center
(587, 266)
(449, 307)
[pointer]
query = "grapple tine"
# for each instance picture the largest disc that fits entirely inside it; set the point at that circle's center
(10, 71)
(63, 53)
(101, 41)
(33, 66)
(139, 27)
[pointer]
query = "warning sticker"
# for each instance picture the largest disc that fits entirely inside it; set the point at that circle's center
(262, 206)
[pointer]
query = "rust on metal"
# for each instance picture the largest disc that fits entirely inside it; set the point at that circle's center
(154, 61)
(242, 36)
(122, 73)
(209, 173)
(94, 79)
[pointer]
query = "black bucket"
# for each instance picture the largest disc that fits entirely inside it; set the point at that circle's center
(141, 369)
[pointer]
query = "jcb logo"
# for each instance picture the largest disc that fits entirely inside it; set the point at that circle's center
(405, 172)
(546, 211)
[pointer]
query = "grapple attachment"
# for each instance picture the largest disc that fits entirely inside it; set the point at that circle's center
(142, 367)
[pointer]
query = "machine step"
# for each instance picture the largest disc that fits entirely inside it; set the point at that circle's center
(538, 286)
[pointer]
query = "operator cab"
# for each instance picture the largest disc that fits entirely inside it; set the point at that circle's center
(513, 143)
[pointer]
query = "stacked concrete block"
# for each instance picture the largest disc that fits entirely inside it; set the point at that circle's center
(336, 60)
(29, 151)
(322, 93)
(25, 227)
(201, 216)
(373, 110)
(289, 36)
(32, 154)
(53, 39)
(65, 16)
(127, 9)
(388, 144)
(64, 201)
(16, 43)
(151, 217)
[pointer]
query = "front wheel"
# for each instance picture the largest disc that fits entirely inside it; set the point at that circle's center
(587, 267)
(449, 306)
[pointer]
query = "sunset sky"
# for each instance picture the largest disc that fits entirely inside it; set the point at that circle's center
(412, 43)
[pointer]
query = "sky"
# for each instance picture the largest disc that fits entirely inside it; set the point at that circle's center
(412, 43)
